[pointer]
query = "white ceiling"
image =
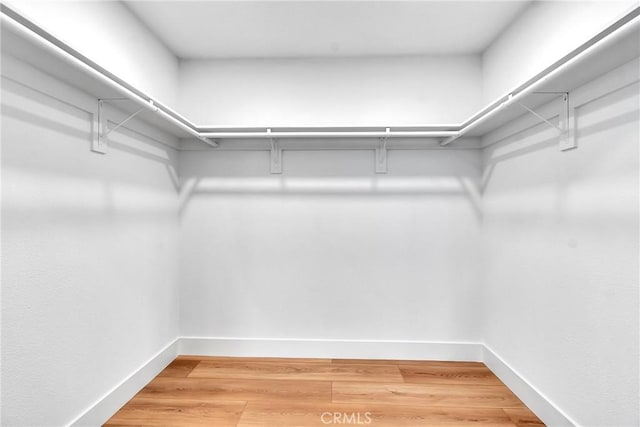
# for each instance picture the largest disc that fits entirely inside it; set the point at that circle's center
(289, 29)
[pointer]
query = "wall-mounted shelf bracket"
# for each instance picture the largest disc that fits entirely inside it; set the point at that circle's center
(276, 155)
(564, 128)
(381, 153)
(101, 126)
(99, 144)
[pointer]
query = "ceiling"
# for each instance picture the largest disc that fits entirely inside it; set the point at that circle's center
(291, 29)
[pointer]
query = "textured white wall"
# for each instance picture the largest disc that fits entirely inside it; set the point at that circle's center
(109, 34)
(542, 34)
(347, 91)
(561, 256)
(89, 252)
(329, 249)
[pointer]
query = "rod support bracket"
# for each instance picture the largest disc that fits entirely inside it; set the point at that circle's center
(101, 126)
(567, 124)
(381, 153)
(276, 155)
(566, 131)
(99, 142)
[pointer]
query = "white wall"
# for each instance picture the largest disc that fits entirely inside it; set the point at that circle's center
(347, 91)
(561, 256)
(329, 250)
(542, 34)
(109, 34)
(89, 251)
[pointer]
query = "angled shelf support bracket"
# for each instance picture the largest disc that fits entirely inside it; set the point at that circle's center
(564, 128)
(381, 153)
(101, 126)
(276, 155)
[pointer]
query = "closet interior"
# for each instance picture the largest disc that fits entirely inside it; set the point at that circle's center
(336, 183)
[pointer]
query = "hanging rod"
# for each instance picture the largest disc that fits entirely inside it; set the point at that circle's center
(67, 53)
(330, 134)
(612, 32)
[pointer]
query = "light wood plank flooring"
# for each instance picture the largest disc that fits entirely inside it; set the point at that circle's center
(227, 391)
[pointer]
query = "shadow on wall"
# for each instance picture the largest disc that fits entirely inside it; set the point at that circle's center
(532, 139)
(387, 186)
(163, 159)
(47, 113)
(540, 136)
(54, 124)
(52, 177)
(561, 187)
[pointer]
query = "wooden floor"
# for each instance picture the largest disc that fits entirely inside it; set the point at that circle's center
(220, 391)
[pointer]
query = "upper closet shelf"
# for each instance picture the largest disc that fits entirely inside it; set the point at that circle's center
(612, 47)
(32, 44)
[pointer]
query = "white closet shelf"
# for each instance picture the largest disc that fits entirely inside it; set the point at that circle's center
(612, 47)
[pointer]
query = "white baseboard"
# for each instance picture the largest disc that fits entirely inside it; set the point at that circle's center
(549, 413)
(104, 408)
(330, 348)
(98, 413)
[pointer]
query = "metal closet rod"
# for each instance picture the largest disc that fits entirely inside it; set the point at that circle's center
(612, 32)
(64, 51)
(331, 134)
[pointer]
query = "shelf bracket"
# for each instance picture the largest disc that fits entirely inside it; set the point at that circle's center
(99, 144)
(276, 155)
(568, 137)
(564, 128)
(381, 153)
